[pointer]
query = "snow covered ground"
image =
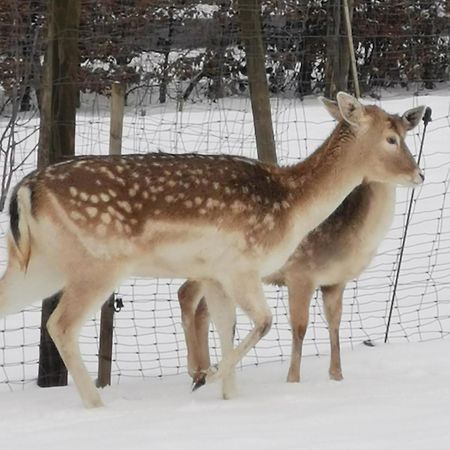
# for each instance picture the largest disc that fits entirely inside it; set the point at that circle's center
(393, 397)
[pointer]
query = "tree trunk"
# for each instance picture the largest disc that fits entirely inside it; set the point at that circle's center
(57, 140)
(250, 23)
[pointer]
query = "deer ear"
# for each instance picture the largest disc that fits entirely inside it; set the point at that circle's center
(412, 117)
(351, 109)
(332, 107)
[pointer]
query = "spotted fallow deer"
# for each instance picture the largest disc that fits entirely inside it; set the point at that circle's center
(331, 255)
(83, 226)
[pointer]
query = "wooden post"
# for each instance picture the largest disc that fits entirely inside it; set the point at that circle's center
(57, 141)
(117, 111)
(107, 313)
(251, 33)
(52, 371)
(106, 343)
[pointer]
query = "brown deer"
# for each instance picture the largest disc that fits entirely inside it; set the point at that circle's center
(331, 255)
(83, 226)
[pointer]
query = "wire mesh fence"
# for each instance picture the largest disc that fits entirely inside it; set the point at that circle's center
(187, 92)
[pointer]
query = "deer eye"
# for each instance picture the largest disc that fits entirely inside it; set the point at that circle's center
(392, 140)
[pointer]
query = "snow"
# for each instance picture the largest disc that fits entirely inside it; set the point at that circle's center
(393, 397)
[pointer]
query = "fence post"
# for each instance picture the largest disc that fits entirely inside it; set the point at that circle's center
(57, 141)
(107, 312)
(117, 111)
(52, 371)
(250, 24)
(106, 343)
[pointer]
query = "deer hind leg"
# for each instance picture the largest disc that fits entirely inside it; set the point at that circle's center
(300, 291)
(195, 321)
(80, 297)
(332, 298)
(246, 289)
(223, 314)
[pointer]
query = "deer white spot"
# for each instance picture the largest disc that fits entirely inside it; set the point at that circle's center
(276, 206)
(161, 179)
(227, 190)
(136, 186)
(198, 200)
(244, 189)
(104, 197)
(127, 228)
(188, 203)
(269, 222)
(237, 206)
(157, 212)
(94, 198)
(118, 226)
(92, 211)
(145, 194)
(171, 183)
(216, 185)
(124, 205)
(84, 196)
(107, 172)
(112, 193)
(252, 219)
(138, 206)
(119, 169)
(285, 204)
(73, 191)
(131, 192)
(202, 211)
(169, 198)
(75, 215)
(105, 218)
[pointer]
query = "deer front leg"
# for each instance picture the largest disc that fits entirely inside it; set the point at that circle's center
(300, 291)
(332, 298)
(195, 320)
(246, 290)
(223, 315)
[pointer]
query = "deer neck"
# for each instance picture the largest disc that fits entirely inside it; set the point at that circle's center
(324, 179)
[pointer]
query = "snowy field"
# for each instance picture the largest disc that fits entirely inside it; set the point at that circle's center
(393, 397)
